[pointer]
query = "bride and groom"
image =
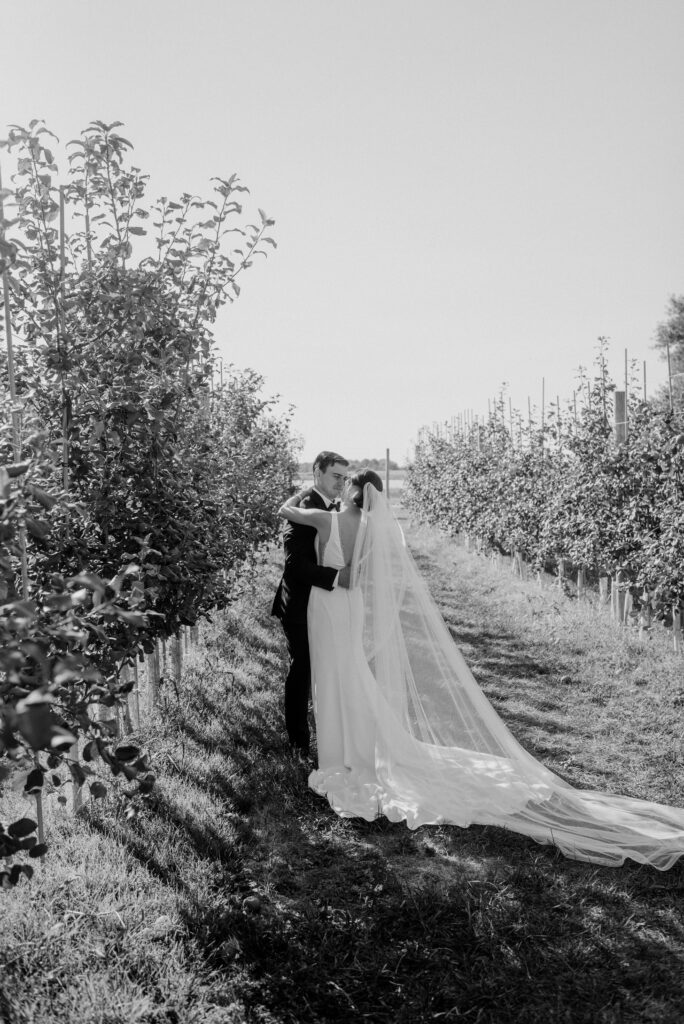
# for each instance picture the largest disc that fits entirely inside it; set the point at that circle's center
(402, 728)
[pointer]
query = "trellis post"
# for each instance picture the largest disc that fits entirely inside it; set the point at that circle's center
(676, 627)
(620, 424)
(581, 583)
(153, 677)
(619, 599)
(604, 594)
(135, 695)
(16, 446)
(644, 614)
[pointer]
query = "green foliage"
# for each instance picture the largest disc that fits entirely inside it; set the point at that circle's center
(379, 465)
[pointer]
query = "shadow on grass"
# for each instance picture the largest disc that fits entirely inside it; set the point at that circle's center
(357, 922)
(322, 920)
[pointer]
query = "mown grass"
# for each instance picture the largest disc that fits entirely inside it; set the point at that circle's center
(239, 896)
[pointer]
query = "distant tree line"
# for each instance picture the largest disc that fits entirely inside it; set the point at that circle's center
(306, 468)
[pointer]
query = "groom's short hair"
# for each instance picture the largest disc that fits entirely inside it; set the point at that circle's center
(325, 459)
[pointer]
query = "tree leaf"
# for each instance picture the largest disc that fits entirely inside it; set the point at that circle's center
(34, 781)
(22, 827)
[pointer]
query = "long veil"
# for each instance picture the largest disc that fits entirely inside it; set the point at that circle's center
(443, 755)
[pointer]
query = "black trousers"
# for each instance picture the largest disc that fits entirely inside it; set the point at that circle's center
(297, 685)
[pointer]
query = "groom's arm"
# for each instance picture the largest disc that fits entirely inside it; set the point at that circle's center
(292, 511)
(304, 516)
(301, 565)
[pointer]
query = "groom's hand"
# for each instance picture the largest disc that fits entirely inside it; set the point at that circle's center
(343, 577)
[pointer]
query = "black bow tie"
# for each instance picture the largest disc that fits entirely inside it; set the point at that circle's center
(334, 506)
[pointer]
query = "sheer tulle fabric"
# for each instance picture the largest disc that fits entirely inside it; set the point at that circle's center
(405, 731)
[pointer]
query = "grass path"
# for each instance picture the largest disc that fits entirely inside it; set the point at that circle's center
(238, 896)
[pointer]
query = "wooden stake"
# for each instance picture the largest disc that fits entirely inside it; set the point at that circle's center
(177, 651)
(676, 628)
(626, 396)
(619, 599)
(73, 750)
(620, 424)
(16, 445)
(543, 407)
(153, 677)
(135, 694)
(629, 601)
(644, 614)
(126, 724)
(669, 371)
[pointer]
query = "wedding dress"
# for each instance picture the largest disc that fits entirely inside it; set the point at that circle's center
(403, 729)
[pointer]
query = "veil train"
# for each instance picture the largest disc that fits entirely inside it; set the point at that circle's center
(443, 755)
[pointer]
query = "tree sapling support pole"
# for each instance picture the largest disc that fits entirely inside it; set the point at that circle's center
(16, 447)
(669, 371)
(676, 627)
(619, 607)
(644, 614)
(126, 724)
(620, 424)
(153, 677)
(581, 583)
(135, 695)
(177, 657)
(604, 593)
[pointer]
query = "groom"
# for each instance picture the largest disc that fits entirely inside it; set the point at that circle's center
(300, 574)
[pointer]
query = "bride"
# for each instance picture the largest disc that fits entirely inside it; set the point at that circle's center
(403, 730)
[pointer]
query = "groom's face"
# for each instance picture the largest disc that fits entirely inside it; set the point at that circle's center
(331, 481)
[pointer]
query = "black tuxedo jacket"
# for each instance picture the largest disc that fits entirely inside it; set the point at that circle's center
(302, 571)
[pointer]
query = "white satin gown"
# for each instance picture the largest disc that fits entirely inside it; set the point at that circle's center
(343, 691)
(356, 725)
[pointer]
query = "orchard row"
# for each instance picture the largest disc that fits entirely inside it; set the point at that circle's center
(136, 486)
(568, 495)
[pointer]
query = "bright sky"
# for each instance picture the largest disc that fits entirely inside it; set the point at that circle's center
(466, 192)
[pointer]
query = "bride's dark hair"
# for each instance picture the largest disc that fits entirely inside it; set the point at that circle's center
(360, 479)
